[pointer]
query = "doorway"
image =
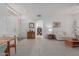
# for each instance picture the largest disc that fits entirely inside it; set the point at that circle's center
(39, 29)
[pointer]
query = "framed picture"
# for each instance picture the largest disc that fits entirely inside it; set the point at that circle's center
(56, 24)
(39, 31)
(31, 25)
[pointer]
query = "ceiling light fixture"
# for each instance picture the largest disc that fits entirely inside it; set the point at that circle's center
(39, 15)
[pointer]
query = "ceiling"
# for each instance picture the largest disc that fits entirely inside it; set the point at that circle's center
(40, 7)
(44, 9)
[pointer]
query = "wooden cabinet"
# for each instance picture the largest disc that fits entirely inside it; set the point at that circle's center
(31, 35)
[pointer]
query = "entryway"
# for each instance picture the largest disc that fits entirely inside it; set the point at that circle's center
(39, 29)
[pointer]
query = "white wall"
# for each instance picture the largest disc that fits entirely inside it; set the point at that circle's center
(65, 17)
(12, 25)
(66, 21)
(24, 25)
(8, 21)
(3, 17)
(66, 25)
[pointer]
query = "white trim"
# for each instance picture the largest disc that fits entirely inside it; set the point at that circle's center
(13, 11)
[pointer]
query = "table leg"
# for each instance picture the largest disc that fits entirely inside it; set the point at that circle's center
(8, 46)
(15, 45)
(7, 51)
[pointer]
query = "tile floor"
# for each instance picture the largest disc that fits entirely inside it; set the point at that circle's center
(44, 47)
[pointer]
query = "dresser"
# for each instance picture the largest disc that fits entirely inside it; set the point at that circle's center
(31, 35)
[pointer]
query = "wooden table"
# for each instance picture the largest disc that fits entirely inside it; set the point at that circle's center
(7, 40)
(72, 43)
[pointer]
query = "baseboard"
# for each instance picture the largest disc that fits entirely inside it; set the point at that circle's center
(60, 40)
